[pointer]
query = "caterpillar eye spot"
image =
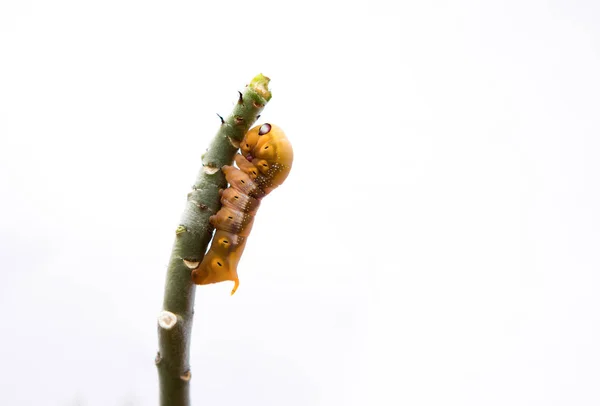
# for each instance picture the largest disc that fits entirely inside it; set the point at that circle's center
(230, 218)
(267, 147)
(264, 129)
(220, 264)
(225, 242)
(236, 197)
(242, 181)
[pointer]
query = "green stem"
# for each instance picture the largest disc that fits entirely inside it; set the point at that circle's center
(192, 238)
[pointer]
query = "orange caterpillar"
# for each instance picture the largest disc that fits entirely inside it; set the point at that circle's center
(264, 163)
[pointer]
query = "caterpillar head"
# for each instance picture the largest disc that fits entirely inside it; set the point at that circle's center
(269, 150)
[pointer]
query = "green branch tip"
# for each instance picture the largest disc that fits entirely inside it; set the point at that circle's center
(260, 84)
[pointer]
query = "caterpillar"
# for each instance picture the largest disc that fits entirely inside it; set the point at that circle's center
(264, 163)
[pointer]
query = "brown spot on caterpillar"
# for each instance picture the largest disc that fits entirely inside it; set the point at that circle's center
(224, 243)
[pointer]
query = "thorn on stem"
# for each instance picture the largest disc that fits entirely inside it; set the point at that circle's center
(222, 121)
(241, 99)
(257, 117)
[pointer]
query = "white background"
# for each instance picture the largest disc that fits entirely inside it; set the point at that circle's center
(435, 244)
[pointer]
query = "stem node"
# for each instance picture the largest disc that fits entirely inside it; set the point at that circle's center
(167, 320)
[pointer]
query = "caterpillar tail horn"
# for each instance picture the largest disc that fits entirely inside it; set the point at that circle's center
(235, 286)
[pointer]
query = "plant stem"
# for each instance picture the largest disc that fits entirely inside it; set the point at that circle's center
(191, 239)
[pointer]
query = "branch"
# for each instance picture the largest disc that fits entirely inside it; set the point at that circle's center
(191, 239)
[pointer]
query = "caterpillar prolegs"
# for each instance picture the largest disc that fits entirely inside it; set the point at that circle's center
(264, 163)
